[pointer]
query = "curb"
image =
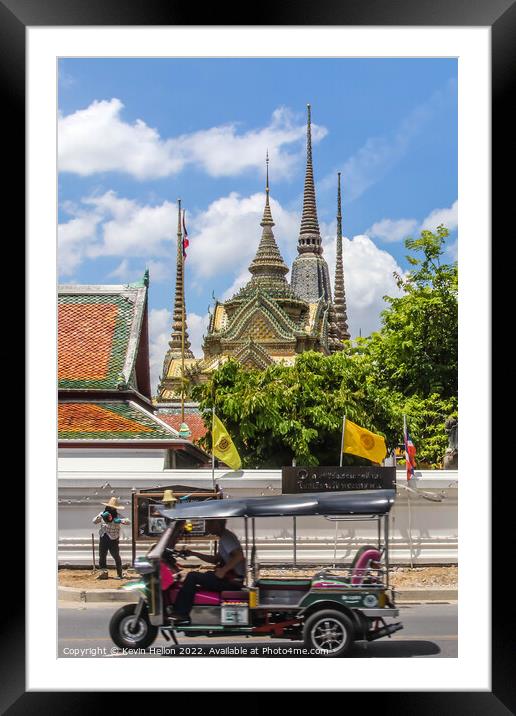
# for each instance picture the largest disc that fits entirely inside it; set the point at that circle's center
(72, 594)
(412, 596)
(403, 596)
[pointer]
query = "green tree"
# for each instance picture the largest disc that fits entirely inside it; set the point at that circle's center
(408, 367)
(415, 352)
(295, 412)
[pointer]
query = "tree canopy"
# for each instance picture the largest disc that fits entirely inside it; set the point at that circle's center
(408, 367)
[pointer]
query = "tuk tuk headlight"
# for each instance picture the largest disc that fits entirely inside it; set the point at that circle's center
(133, 586)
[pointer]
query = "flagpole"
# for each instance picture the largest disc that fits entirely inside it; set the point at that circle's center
(342, 441)
(212, 446)
(180, 238)
(408, 492)
(405, 442)
(336, 523)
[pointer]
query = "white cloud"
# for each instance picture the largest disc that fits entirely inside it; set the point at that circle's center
(226, 235)
(97, 139)
(74, 237)
(108, 225)
(122, 271)
(132, 229)
(160, 328)
(368, 277)
(197, 327)
(223, 241)
(448, 217)
(390, 230)
(66, 80)
(374, 159)
(453, 250)
(240, 281)
(159, 271)
(223, 238)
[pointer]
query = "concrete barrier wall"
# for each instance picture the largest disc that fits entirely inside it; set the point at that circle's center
(422, 531)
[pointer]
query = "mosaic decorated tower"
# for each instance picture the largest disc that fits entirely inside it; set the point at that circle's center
(264, 322)
(170, 382)
(310, 275)
(341, 317)
(269, 320)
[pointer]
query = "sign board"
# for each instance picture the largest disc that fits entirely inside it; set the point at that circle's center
(296, 480)
(148, 522)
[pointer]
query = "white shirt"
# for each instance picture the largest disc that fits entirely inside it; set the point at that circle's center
(228, 542)
(112, 529)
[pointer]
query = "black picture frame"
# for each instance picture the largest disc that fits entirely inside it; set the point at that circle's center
(500, 15)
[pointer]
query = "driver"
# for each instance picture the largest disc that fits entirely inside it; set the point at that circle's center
(229, 573)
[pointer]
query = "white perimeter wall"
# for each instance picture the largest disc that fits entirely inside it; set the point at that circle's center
(420, 529)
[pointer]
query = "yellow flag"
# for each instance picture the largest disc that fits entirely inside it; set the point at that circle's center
(362, 442)
(223, 447)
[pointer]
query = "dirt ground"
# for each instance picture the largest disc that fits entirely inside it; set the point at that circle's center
(401, 577)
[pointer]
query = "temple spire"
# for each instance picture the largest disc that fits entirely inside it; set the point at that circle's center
(267, 215)
(175, 341)
(339, 296)
(171, 383)
(268, 262)
(309, 234)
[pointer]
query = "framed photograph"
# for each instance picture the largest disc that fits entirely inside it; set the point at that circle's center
(78, 67)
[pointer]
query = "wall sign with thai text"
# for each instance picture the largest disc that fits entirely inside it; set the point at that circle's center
(300, 479)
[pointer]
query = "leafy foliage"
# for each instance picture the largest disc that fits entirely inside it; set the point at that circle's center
(409, 367)
(416, 349)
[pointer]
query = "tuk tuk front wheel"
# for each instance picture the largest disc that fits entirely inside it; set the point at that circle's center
(330, 632)
(126, 632)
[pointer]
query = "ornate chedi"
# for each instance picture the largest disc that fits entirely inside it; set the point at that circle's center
(265, 322)
(169, 387)
(268, 320)
(339, 293)
(310, 275)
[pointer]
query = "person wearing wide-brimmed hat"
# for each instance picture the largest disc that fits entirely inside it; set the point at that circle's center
(109, 535)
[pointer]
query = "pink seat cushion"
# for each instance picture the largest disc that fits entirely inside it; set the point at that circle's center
(204, 598)
(365, 559)
(166, 576)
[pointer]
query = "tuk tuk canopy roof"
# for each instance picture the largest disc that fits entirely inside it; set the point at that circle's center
(359, 502)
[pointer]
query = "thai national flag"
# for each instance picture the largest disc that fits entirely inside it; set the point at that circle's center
(186, 243)
(410, 452)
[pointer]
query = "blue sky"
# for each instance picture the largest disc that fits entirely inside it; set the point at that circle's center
(136, 134)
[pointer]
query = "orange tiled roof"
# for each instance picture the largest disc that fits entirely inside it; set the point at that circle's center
(98, 335)
(110, 420)
(193, 420)
(82, 327)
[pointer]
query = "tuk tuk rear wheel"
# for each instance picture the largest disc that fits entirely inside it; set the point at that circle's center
(330, 632)
(127, 634)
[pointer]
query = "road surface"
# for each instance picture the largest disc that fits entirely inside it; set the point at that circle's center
(430, 630)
